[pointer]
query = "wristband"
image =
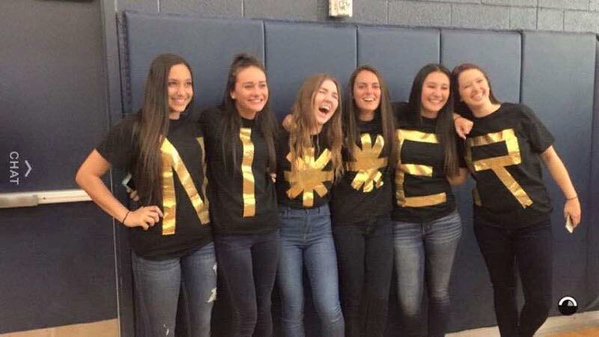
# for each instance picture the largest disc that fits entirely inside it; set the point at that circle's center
(125, 217)
(574, 197)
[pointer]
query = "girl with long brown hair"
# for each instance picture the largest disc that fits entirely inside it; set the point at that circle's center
(171, 235)
(427, 227)
(512, 208)
(361, 204)
(240, 146)
(309, 160)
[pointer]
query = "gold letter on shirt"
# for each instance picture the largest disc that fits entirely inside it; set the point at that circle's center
(171, 163)
(307, 176)
(415, 170)
(498, 164)
(368, 163)
(249, 197)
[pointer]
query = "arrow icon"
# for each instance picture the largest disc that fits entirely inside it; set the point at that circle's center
(28, 168)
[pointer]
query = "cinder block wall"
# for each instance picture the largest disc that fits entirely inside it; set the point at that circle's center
(545, 15)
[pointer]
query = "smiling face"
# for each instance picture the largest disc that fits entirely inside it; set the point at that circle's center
(435, 93)
(180, 89)
(325, 102)
(367, 92)
(474, 89)
(251, 92)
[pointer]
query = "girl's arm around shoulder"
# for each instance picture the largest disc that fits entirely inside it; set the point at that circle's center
(89, 178)
(560, 175)
(460, 178)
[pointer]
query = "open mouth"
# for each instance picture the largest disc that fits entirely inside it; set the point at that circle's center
(325, 108)
(369, 99)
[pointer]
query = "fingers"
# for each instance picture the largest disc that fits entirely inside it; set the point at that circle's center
(145, 217)
(134, 196)
(572, 210)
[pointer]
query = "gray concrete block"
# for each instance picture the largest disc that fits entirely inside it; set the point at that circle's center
(146, 6)
(208, 8)
(578, 21)
(550, 19)
(414, 13)
(513, 3)
(446, 1)
(281, 9)
(564, 4)
(523, 18)
(594, 5)
(368, 11)
(480, 16)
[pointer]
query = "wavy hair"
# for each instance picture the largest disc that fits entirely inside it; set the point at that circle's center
(304, 122)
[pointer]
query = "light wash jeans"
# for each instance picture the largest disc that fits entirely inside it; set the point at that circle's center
(307, 241)
(157, 286)
(425, 250)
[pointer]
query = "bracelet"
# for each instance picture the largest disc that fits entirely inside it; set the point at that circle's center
(125, 217)
(574, 197)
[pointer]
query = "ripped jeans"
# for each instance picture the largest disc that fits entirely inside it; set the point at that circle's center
(157, 286)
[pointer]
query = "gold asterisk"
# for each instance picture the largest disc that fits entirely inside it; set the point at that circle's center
(368, 163)
(307, 176)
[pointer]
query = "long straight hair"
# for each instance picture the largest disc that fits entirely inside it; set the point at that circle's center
(152, 126)
(304, 122)
(232, 120)
(445, 129)
(351, 115)
(460, 106)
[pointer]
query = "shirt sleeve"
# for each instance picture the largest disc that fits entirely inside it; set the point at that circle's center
(118, 146)
(538, 135)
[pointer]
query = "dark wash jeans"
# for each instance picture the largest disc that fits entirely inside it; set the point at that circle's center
(248, 266)
(530, 249)
(365, 256)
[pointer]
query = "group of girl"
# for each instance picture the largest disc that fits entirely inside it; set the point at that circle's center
(338, 192)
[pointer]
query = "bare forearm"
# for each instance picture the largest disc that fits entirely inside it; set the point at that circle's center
(102, 196)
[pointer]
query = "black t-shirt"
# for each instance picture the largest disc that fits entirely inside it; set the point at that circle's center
(364, 192)
(422, 192)
(306, 183)
(241, 191)
(502, 152)
(185, 226)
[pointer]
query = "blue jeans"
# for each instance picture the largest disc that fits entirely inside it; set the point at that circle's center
(365, 254)
(529, 251)
(425, 250)
(248, 266)
(307, 241)
(157, 285)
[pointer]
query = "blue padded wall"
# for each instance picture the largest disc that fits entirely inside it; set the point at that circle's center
(558, 75)
(593, 210)
(207, 44)
(499, 53)
(296, 50)
(553, 73)
(398, 53)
